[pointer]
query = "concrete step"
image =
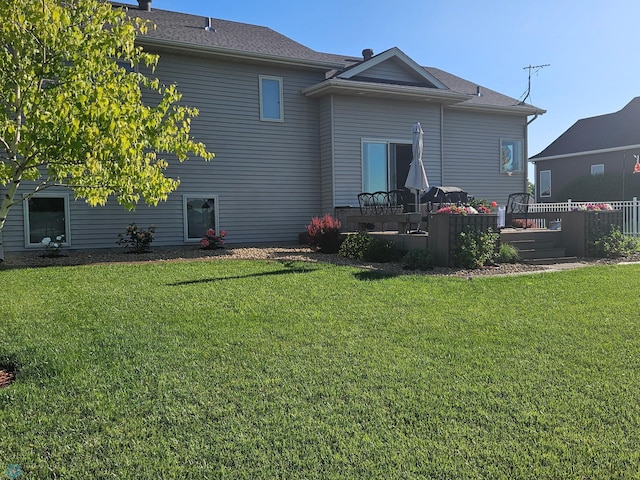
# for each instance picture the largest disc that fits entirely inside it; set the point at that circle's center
(535, 252)
(532, 244)
(549, 261)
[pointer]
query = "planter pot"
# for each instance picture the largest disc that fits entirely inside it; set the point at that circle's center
(581, 228)
(445, 229)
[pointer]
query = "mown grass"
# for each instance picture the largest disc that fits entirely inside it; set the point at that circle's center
(241, 369)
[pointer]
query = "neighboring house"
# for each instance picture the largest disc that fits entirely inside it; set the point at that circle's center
(296, 133)
(592, 146)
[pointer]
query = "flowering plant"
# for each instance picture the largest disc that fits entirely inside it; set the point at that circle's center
(593, 207)
(137, 240)
(53, 247)
(458, 210)
(211, 240)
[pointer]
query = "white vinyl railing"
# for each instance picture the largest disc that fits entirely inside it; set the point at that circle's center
(630, 212)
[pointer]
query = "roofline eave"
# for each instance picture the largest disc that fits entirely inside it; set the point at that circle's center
(334, 85)
(238, 54)
(588, 152)
(512, 109)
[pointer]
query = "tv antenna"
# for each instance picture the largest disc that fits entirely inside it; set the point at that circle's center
(535, 69)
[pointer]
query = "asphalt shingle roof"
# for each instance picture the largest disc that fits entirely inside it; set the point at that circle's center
(612, 130)
(246, 39)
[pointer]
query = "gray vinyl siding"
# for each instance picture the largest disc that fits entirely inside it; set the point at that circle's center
(326, 154)
(391, 70)
(266, 175)
(472, 153)
(357, 118)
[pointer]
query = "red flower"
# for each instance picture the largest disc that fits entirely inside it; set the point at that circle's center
(211, 232)
(494, 204)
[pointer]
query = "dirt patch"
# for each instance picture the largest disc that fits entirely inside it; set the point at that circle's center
(6, 378)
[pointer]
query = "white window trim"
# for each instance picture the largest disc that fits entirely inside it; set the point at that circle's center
(502, 141)
(389, 142)
(25, 217)
(281, 99)
(185, 219)
(539, 175)
(601, 172)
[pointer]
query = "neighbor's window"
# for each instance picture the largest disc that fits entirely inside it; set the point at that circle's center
(545, 183)
(271, 99)
(375, 167)
(511, 156)
(200, 214)
(46, 216)
(597, 169)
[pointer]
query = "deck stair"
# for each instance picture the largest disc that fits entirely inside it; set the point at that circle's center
(537, 246)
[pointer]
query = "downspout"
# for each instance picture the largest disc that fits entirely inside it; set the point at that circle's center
(526, 143)
(442, 182)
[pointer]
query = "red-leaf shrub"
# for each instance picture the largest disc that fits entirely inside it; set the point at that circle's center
(324, 234)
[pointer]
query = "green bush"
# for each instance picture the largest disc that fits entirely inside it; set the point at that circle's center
(476, 248)
(362, 246)
(507, 253)
(136, 240)
(418, 260)
(615, 244)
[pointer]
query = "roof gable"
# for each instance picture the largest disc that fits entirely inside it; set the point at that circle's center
(392, 66)
(604, 132)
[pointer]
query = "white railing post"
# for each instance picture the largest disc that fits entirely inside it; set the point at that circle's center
(634, 217)
(569, 204)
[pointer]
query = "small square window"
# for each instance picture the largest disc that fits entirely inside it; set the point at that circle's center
(200, 214)
(271, 108)
(511, 156)
(597, 169)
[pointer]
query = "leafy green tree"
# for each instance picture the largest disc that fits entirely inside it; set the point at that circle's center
(72, 106)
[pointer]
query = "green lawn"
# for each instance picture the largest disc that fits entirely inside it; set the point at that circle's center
(241, 369)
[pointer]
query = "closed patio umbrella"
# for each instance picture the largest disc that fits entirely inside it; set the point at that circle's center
(417, 178)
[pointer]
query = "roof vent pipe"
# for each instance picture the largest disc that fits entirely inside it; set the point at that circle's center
(144, 5)
(208, 26)
(367, 53)
(479, 91)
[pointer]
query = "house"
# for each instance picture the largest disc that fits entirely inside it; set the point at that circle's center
(296, 133)
(592, 146)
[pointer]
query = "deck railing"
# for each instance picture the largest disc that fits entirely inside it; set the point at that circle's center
(630, 211)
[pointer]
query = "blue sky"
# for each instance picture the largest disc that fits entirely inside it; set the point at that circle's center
(592, 46)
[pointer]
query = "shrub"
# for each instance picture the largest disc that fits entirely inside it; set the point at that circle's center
(418, 260)
(324, 234)
(476, 248)
(615, 244)
(507, 253)
(138, 241)
(212, 241)
(362, 246)
(52, 247)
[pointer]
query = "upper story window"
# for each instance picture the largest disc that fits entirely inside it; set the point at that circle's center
(597, 169)
(511, 156)
(271, 107)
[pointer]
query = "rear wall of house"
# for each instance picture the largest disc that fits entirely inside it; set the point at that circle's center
(266, 175)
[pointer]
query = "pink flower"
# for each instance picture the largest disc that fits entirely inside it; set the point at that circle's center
(494, 204)
(223, 233)
(211, 232)
(204, 243)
